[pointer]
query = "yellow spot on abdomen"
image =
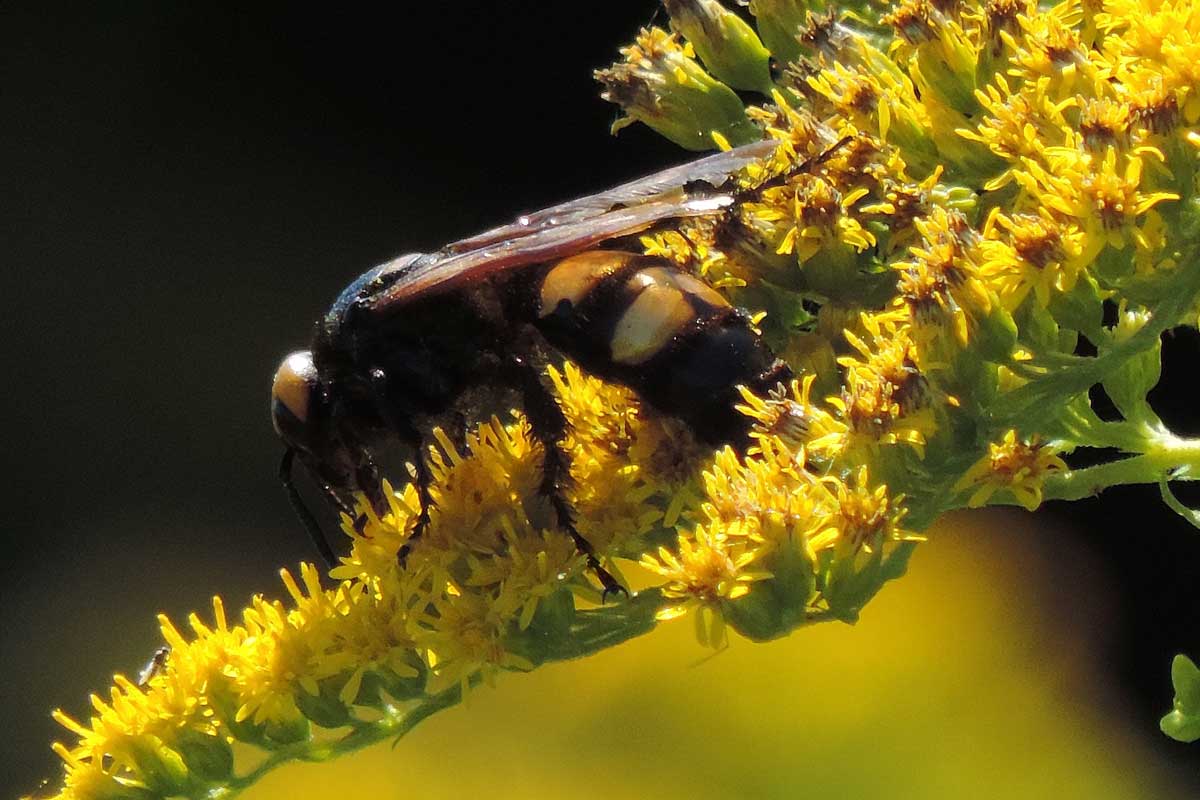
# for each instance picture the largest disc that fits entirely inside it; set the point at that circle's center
(650, 323)
(572, 279)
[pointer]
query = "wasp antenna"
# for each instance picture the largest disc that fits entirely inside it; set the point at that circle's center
(302, 511)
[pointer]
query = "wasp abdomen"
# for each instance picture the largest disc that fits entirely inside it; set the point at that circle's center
(630, 307)
(641, 321)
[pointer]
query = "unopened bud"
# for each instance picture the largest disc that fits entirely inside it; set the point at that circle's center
(729, 48)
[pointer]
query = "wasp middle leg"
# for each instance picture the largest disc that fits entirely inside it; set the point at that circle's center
(550, 428)
(408, 433)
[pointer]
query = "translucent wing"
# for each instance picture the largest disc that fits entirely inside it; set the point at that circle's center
(691, 189)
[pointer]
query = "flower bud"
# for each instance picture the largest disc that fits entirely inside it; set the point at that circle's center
(1139, 373)
(996, 334)
(728, 46)
(287, 731)
(1183, 723)
(852, 580)
(779, 22)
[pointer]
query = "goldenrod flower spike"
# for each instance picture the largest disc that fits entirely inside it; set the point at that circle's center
(959, 189)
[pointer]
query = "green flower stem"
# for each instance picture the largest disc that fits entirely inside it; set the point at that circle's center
(360, 736)
(1169, 457)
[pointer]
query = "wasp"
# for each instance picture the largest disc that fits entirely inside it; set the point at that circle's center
(412, 338)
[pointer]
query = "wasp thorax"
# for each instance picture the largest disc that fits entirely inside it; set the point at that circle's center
(292, 396)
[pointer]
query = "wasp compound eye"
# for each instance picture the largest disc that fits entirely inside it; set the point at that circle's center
(294, 397)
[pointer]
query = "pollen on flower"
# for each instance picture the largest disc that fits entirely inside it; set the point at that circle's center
(867, 516)
(818, 213)
(823, 33)
(465, 635)
(913, 20)
(924, 289)
(1018, 465)
(1104, 123)
(660, 84)
(1002, 16)
(1156, 108)
(893, 356)
(705, 570)
(871, 407)
(1047, 47)
(1041, 252)
(1019, 124)
(790, 416)
(1117, 197)
(1037, 239)
(771, 499)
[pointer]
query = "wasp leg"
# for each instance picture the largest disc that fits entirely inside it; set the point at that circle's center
(302, 511)
(550, 427)
(409, 435)
(413, 438)
(366, 477)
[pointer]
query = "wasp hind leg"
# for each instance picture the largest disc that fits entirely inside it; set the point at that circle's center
(550, 427)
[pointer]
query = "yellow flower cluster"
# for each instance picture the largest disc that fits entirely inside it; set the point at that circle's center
(959, 190)
(489, 580)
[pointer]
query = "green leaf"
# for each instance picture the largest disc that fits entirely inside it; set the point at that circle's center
(1183, 723)
(1081, 309)
(1130, 384)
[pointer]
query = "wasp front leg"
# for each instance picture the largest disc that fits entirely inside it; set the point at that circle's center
(550, 428)
(302, 511)
(366, 477)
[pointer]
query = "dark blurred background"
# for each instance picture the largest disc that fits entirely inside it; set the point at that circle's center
(188, 188)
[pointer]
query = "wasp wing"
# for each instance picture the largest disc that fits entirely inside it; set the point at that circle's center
(687, 190)
(444, 270)
(714, 170)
